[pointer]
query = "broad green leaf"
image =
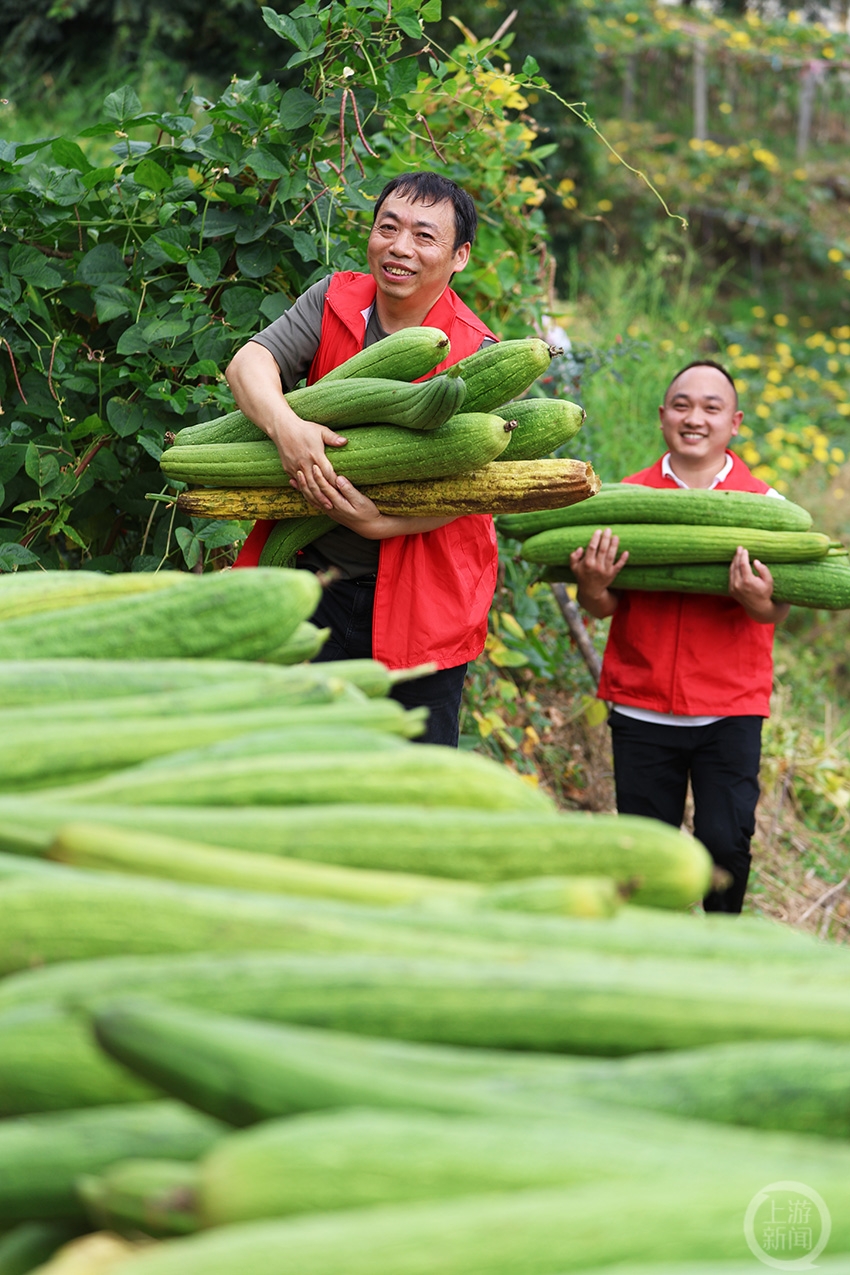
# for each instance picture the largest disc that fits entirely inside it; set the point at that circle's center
(33, 267)
(409, 25)
(241, 305)
(69, 155)
(122, 416)
(190, 545)
(297, 108)
(301, 32)
(165, 329)
(132, 341)
(123, 104)
(102, 264)
(216, 534)
(204, 267)
(112, 302)
(256, 260)
(274, 305)
(13, 556)
(12, 457)
(152, 175)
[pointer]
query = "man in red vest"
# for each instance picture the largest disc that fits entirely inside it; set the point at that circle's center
(409, 590)
(689, 676)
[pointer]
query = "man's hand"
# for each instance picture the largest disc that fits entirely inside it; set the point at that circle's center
(341, 500)
(254, 378)
(752, 586)
(595, 569)
(301, 447)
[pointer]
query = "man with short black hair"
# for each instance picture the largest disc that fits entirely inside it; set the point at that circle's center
(411, 590)
(689, 676)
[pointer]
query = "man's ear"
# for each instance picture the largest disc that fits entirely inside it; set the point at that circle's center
(737, 417)
(461, 257)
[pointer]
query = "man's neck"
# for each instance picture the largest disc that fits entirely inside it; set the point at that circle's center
(410, 313)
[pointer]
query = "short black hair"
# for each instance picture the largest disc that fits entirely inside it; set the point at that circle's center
(718, 367)
(426, 187)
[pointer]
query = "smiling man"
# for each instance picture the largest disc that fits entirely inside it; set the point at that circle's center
(409, 590)
(689, 676)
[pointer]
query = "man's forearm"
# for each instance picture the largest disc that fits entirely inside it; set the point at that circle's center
(254, 378)
(598, 604)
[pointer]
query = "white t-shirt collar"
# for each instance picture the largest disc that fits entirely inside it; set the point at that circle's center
(667, 472)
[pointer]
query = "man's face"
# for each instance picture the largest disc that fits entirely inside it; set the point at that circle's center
(411, 252)
(699, 417)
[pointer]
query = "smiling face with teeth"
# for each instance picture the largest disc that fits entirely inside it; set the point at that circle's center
(699, 418)
(412, 257)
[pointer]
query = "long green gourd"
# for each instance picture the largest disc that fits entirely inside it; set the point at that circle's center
(42, 684)
(402, 356)
(41, 1156)
(651, 544)
(631, 503)
(41, 755)
(669, 869)
(500, 372)
(372, 454)
(47, 1063)
(143, 853)
(27, 592)
(430, 775)
(661, 1216)
(302, 645)
(542, 425)
(823, 584)
(576, 1003)
(369, 401)
(240, 614)
(70, 916)
(290, 535)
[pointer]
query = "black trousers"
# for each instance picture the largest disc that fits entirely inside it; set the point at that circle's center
(652, 765)
(346, 609)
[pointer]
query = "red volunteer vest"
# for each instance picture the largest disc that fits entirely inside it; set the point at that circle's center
(434, 589)
(690, 654)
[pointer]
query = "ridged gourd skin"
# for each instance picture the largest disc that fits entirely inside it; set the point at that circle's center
(302, 646)
(372, 454)
(322, 1161)
(654, 544)
(588, 1003)
(429, 775)
(659, 505)
(78, 916)
(822, 585)
(42, 684)
(424, 405)
(500, 372)
(42, 1155)
(662, 1217)
(47, 1064)
(401, 356)
(290, 535)
(543, 425)
(25, 593)
(241, 614)
(673, 870)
